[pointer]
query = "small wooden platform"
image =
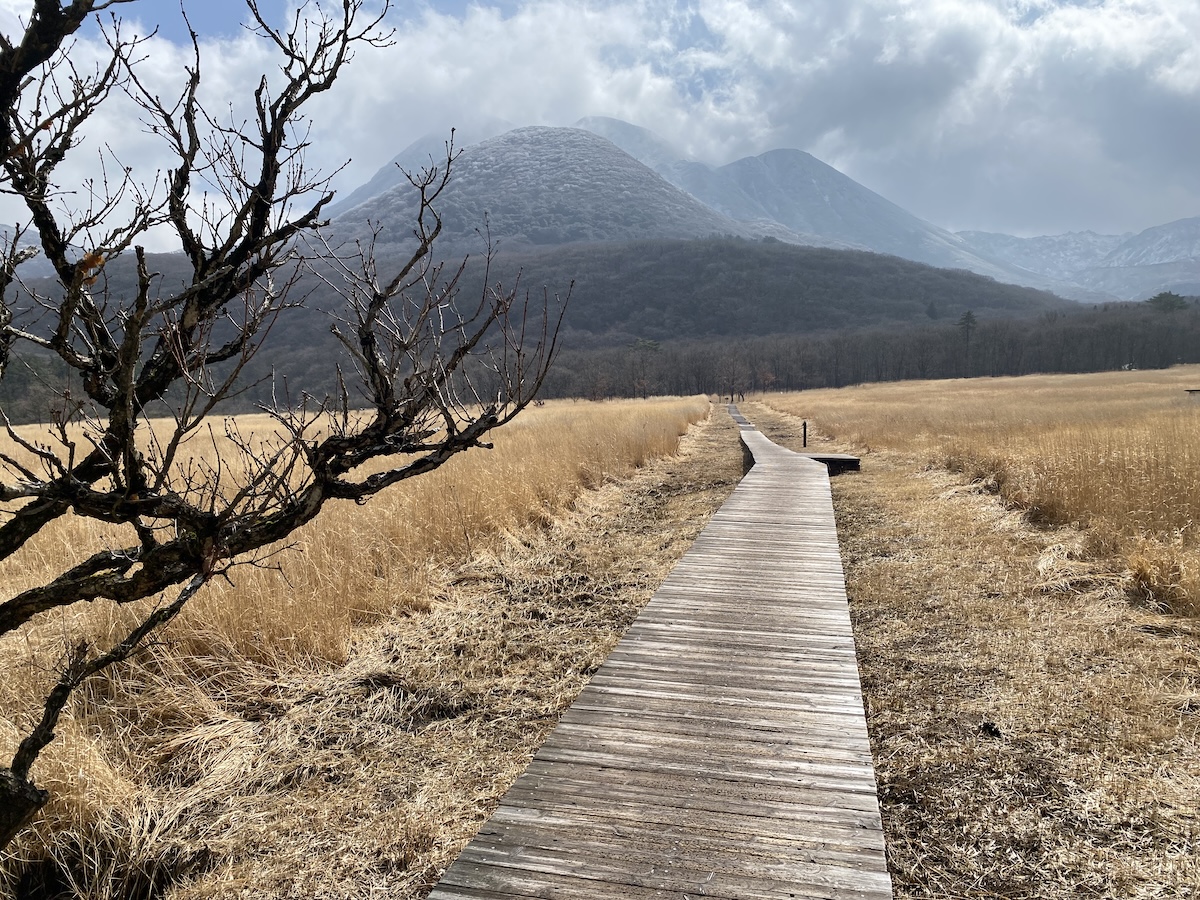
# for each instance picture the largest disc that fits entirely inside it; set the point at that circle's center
(835, 463)
(721, 750)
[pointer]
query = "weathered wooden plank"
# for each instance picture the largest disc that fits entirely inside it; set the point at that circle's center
(817, 733)
(677, 753)
(731, 710)
(754, 767)
(530, 847)
(657, 673)
(826, 743)
(856, 845)
(661, 674)
(760, 631)
(552, 877)
(730, 700)
(696, 849)
(801, 722)
(721, 749)
(596, 789)
(701, 657)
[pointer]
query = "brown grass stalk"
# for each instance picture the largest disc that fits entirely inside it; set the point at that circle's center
(1118, 453)
(149, 747)
(1035, 735)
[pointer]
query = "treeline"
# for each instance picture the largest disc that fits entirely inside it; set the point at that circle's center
(1086, 339)
(655, 290)
(1090, 339)
(720, 316)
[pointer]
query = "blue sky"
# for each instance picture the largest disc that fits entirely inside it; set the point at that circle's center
(223, 18)
(210, 18)
(1022, 116)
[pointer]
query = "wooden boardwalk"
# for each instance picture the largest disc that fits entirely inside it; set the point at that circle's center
(721, 750)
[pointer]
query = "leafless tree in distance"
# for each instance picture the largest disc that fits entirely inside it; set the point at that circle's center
(436, 373)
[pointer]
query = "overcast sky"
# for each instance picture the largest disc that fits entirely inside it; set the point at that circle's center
(1023, 116)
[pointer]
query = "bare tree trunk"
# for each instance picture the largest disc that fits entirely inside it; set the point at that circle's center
(20, 801)
(438, 372)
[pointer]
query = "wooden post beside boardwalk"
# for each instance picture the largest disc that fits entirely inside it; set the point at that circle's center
(721, 750)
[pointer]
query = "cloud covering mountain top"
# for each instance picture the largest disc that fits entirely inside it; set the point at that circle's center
(1019, 116)
(538, 186)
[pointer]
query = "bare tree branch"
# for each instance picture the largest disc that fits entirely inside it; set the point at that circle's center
(437, 368)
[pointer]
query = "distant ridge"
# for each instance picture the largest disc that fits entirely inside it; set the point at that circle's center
(1128, 266)
(607, 180)
(1173, 242)
(1061, 255)
(542, 186)
(796, 190)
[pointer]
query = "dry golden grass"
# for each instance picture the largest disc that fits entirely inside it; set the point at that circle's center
(358, 563)
(277, 721)
(1035, 735)
(1118, 453)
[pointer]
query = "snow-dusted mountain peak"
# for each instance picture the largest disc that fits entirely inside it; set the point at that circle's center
(606, 180)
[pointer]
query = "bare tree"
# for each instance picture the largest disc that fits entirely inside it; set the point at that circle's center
(435, 374)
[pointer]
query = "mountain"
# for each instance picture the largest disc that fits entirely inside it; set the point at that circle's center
(801, 192)
(418, 155)
(608, 180)
(1127, 266)
(543, 186)
(1177, 241)
(1060, 256)
(797, 191)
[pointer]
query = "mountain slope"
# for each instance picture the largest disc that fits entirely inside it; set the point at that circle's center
(642, 144)
(811, 199)
(804, 194)
(418, 155)
(671, 290)
(1175, 242)
(1128, 266)
(541, 186)
(702, 181)
(1059, 256)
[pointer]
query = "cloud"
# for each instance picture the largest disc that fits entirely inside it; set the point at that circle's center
(1028, 116)
(1070, 116)
(1019, 115)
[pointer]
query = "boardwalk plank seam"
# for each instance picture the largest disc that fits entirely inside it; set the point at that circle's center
(721, 750)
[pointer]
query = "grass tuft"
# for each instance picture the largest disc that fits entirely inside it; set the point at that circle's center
(1116, 453)
(341, 724)
(1035, 735)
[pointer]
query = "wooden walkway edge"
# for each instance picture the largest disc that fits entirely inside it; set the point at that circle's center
(721, 750)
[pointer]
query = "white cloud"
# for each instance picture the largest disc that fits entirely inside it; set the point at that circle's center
(12, 14)
(1020, 115)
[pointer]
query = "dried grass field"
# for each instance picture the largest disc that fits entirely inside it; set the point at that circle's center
(1030, 662)
(1022, 565)
(1117, 454)
(340, 729)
